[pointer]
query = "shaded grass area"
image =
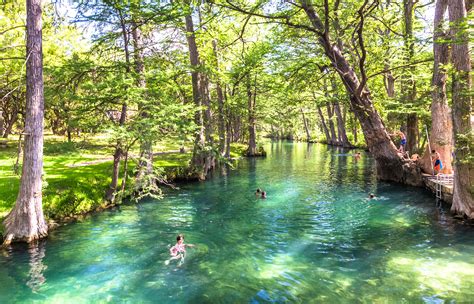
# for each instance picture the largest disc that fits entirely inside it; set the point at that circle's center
(70, 189)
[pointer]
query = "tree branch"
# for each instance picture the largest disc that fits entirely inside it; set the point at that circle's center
(12, 28)
(360, 30)
(12, 58)
(283, 19)
(386, 25)
(399, 67)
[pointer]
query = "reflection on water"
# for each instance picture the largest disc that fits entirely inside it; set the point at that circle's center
(36, 250)
(316, 238)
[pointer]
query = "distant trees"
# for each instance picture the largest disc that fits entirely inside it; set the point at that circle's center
(211, 73)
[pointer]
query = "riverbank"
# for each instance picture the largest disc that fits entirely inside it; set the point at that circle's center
(78, 173)
(317, 140)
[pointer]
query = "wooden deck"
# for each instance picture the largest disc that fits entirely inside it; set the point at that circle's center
(441, 185)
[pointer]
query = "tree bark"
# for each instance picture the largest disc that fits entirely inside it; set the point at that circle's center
(412, 133)
(206, 103)
(390, 165)
(463, 197)
(332, 130)
(220, 103)
(306, 128)
(441, 135)
(354, 128)
(323, 124)
(11, 122)
(68, 133)
(408, 81)
(341, 128)
(145, 164)
(228, 129)
(389, 81)
(111, 192)
(2, 123)
(25, 222)
(118, 153)
(202, 160)
(252, 146)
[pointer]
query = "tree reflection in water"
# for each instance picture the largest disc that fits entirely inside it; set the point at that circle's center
(36, 278)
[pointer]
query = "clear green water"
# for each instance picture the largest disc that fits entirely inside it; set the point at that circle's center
(315, 239)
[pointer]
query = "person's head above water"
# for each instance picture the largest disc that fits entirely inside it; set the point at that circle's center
(264, 194)
(180, 237)
(371, 195)
(258, 190)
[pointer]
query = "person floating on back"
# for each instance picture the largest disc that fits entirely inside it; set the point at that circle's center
(178, 251)
(437, 163)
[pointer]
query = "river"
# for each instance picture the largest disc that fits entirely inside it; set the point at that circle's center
(316, 238)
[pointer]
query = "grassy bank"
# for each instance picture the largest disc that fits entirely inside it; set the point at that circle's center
(77, 174)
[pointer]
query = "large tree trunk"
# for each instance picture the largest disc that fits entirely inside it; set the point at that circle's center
(25, 222)
(441, 137)
(68, 133)
(111, 191)
(2, 122)
(206, 103)
(340, 120)
(252, 148)
(341, 128)
(463, 197)
(323, 124)
(118, 153)
(353, 123)
(220, 103)
(11, 122)
(412, 133)
(202, 161)
(390, 164)
(332, 129)
(228, 129)
(306, 127)
(408, 81)
(145, 164)
(389, 80)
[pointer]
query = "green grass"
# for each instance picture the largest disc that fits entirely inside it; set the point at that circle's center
(238, 150)
(77, 174)
(69, 188)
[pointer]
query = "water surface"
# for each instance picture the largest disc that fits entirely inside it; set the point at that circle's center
(316, 238)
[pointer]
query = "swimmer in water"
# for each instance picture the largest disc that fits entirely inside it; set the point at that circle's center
(178, 251)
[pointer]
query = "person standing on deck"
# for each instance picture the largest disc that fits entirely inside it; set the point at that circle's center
(437, 163)
(403, 141)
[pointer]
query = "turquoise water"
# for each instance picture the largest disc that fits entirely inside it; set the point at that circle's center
(316, 238)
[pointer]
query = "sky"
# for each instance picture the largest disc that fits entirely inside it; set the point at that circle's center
(65, 9)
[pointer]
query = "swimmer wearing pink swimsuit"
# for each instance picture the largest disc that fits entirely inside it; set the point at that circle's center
(179, 248)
